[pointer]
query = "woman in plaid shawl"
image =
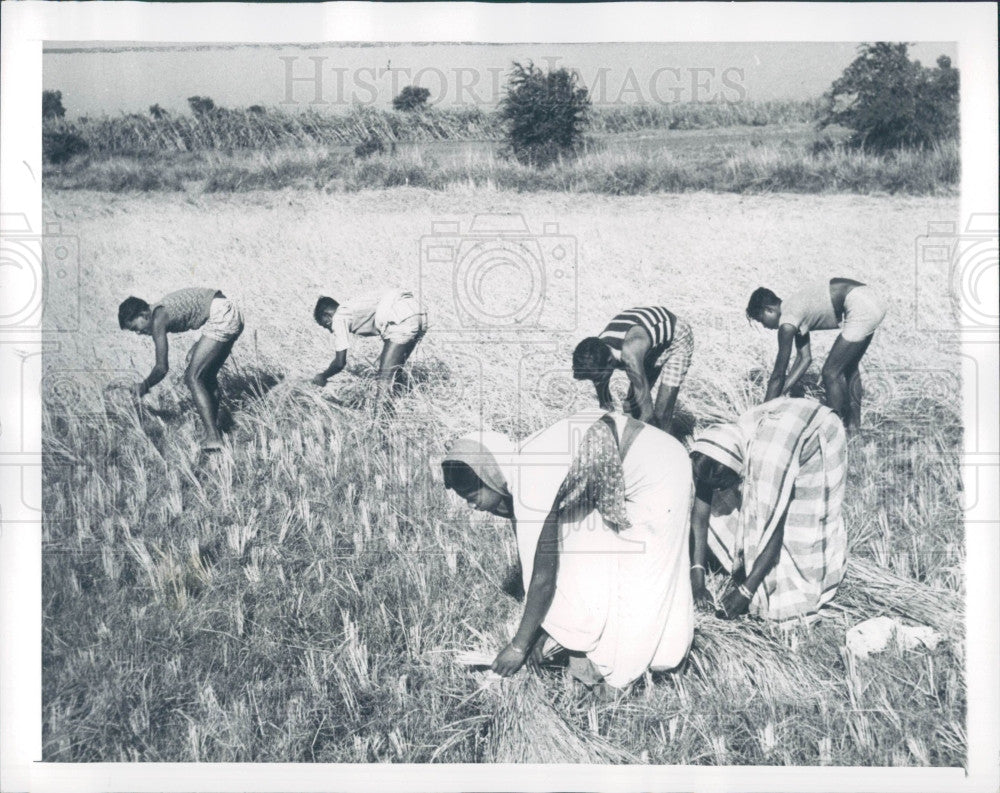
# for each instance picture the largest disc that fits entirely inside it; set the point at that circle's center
(600, 506)
(768, 494)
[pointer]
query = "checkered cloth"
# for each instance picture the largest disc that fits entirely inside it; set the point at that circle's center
(795, 461)
(673, 362)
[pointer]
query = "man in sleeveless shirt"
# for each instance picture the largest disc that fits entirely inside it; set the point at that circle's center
(856, 309)
(395, 316)
(220, 322)
(649, 343)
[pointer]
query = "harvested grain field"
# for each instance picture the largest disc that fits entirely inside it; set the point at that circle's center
(303, 599)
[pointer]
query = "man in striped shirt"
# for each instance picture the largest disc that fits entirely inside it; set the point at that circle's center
(649, 343)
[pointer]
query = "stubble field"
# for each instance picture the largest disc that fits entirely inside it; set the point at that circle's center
(302, 599)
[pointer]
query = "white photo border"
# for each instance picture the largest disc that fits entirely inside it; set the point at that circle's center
(28, 25)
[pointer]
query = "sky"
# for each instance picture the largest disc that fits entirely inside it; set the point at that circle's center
(113, 78)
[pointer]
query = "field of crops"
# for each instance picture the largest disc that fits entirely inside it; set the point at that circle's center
(260, 128)
(683, 147)
(303, 599)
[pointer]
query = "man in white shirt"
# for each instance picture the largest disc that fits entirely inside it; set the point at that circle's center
(843, 303)
(395, 316)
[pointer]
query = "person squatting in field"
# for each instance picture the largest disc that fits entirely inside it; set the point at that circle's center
(395, 316)
(221, 324)
(821, 306)
(599, 505)
(649, 343)
(768, 495)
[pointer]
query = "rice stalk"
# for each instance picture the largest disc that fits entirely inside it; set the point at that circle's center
(525, 728)
(868, 585)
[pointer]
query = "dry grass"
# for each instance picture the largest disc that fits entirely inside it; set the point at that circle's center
(301, 599)
(226, 129)
(616, 165)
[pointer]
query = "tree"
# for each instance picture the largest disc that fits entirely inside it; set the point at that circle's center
(157, 112)
(544, 113)
(890, 102)
(52, 106)
(201, 105)
(61, 147)
(412, 97)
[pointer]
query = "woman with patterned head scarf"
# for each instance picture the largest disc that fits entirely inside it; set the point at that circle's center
(600, 506)
(768, 495)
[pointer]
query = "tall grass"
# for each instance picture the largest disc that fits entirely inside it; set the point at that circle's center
(613, 171)
(298, 602)
(226, 130)
(703, 115)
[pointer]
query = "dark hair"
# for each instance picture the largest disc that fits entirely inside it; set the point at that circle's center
(458, 476)
(708, 472)
(761, 298)
(591, 359)
(323, 305)
(130, 308)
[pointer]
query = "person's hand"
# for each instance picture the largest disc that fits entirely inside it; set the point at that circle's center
(509, 660)
(703, 600)
(319, 380)
(535, 656)
(734, 603)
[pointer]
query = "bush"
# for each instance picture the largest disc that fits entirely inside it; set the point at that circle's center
(60, 147)
(201, 105)
(545, 114)
(891, 102)
(368, 147)
(412, 97)
(52, 106)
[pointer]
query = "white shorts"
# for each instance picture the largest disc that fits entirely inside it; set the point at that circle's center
(409, 321)
(863, 312)
(225, 322)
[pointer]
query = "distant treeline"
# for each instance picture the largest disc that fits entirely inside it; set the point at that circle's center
(267, 128)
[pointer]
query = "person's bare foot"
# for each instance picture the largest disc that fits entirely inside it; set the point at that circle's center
(212, 445)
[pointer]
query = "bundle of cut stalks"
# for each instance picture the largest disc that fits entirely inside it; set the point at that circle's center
(525, 728)
(746, 653)
(870, 589)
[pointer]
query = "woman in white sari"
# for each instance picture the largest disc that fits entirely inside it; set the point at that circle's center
(600, 505)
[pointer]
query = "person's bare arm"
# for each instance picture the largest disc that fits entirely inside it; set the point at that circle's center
(803, 358)
(162, 365)
(736, 601)
(700, 512)
(541, 589)
(335, 367)
(776, 383)
(603, 388)
(634, 350)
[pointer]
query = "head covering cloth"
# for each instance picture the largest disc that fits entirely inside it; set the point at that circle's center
(725, 443)
(488, 454)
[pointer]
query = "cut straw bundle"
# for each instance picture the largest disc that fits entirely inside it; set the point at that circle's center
(525, 728)
(750, 658)
(870, 589)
